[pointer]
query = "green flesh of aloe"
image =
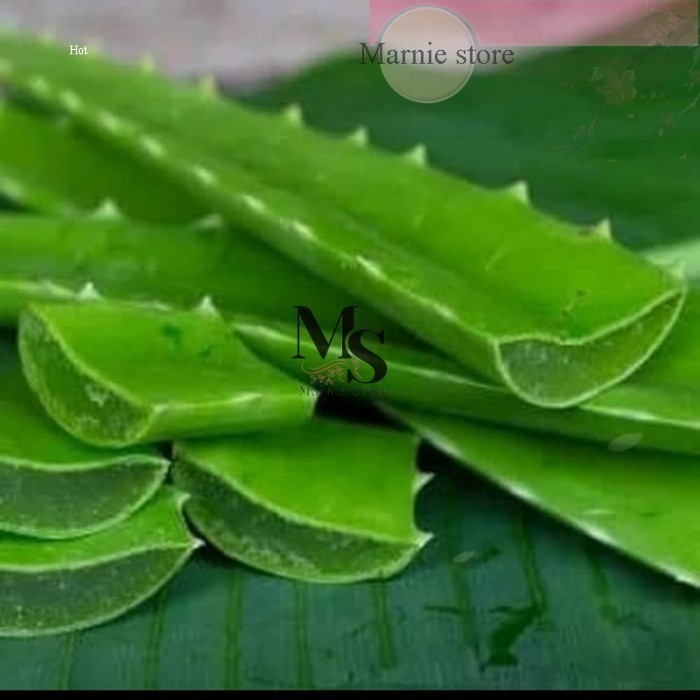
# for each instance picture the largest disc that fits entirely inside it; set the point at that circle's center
(641, 503)
(115, 374)
(53, 486)
(447, 260)
(50, 587)
(352, 520)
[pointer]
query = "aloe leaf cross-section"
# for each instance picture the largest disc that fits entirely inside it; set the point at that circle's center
(54, 486)
(51, 587)
(116, 374)
(507, 291)
(329, 502)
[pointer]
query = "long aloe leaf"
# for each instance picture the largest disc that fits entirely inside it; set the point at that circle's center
(43, 258)
(555, 338)
(641, 503)
(54, 486)
(115, 374)
(50, 587)
(47, 165)
(659, 403)
(285, 503)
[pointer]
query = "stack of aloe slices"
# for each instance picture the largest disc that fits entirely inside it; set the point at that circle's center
(152, 285)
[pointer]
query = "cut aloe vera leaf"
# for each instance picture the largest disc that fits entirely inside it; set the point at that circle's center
(450, 261)
(643, 504)
(44, 258)
(329, 502)
(117, 374)
(54, 486)
(51, 587)
(660, 402)
(48, 166)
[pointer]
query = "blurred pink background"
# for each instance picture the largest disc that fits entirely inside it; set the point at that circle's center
(555, 22)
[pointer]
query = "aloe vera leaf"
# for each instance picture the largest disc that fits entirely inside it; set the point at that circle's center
(115, 374)
(41, 256)
(554, 339)
(50, 587)
(641, 503)
(351, 520)
(54, 486)
(47, 165)
(660, 402)
(44, 258)
(38, 256)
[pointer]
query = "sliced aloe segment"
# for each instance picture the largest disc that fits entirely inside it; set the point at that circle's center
(329, 502)
(643, 504)
(448, 260)
(54, 486)
(116, 374)
(51, 587)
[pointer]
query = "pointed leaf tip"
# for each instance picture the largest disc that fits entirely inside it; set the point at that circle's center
(417, 155)
(360, 136)
(293, 114)
(520, 191)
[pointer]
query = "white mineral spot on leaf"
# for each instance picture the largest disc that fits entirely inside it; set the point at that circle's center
(302, 230)
(625, 442)
(254, 204)
(71, 101)
(110, 122)
(12, 189)
(39, 84)
(205, 176)
(152, 146)
(371, 267)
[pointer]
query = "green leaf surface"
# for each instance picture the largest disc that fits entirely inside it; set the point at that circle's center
(660, 402)
(641, 503)
(49, 259)
(115, 374)
(285, 503)
(49, 587)
(49, 166)
(567, 338)
(53, 486)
